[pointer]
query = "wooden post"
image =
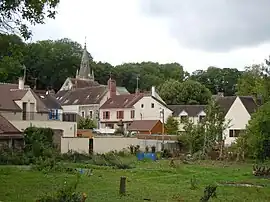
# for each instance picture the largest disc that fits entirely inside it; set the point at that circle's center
(122, 190)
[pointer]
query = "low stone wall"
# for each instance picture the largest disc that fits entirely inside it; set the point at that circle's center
(75, 144)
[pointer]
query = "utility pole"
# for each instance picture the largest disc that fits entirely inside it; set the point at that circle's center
(163, 127)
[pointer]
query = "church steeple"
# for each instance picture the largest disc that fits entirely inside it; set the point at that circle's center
(85, 71)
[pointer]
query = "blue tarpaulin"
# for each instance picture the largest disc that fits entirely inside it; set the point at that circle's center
(142, 156)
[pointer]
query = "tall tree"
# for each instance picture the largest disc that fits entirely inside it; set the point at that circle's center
(218, 80)
(14, 15)
(251, 83)
(187, 92)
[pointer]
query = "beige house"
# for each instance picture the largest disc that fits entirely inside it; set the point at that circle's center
(23, 108)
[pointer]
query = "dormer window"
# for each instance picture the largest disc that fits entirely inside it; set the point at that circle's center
(66, 101)
(201, 118)
(183, 118)
(75, 101)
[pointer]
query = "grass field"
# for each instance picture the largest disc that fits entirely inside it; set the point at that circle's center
(149, 180)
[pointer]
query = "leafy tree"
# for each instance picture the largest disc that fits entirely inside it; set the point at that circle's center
(218, 80)
(187, 92)
(51, 62)
(86, 123)
(204, 135)
(169, 91)
(251, 82)
(171, 125)
(38, 140)
(11, 57)
(14, 15)
(258, 133)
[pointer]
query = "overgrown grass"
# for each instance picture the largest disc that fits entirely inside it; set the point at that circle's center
(156, 181)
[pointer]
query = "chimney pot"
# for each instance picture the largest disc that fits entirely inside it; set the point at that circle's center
(153, 91)
(21, 83)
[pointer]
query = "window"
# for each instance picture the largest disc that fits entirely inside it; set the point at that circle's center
(109, 125)
(106, 115)
(70, 117)
(152, 105)
(120, 114)
(142, 105)
(235, 132)
(83, 114)
(32, 111)
(132, 114)
(183, 119)
(53, 114)
(90, 114)
(201, 118)
(24, 111)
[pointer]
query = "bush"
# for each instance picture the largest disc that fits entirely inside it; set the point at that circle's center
(67, 193)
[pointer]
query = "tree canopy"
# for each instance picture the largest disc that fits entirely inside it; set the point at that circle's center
(15, 15)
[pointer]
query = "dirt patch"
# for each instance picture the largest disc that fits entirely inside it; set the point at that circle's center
(241, 184)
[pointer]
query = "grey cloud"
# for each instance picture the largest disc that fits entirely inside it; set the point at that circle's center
(214, 25)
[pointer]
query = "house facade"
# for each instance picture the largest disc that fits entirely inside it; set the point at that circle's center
(237, 111)
(131, 107)
(23, 108)
(195, 113)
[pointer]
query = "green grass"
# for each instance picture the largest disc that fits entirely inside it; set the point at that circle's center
(149, 180)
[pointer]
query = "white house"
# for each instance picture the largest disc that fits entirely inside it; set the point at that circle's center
(237, 110)
(127, 108)
(194, 113)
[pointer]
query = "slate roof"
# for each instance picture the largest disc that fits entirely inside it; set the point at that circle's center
(6, 127)
(50, 101)
(191, 110)
(81, 83)
(122, 101)
(142, 125)
(12, 93)
(82, 96)
(227, 101)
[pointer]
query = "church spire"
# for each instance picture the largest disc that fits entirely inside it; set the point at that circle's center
(85, 70)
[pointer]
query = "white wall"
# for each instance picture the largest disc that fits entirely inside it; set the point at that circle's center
(149, 113)
(75, 144)
(70, 108)
(238, 117)
(194, 119)
(110, 143)
(69, 128)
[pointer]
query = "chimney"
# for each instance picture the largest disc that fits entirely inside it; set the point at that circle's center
(21, 83)
(111, 87)
(153, 91)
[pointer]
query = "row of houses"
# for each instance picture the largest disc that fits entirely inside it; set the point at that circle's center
(111, 106)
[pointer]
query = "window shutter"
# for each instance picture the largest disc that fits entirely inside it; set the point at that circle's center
(56, 114)
(104, 115)
(109, 115)
(50, 115)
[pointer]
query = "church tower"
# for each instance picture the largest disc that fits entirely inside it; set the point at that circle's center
(85, 71)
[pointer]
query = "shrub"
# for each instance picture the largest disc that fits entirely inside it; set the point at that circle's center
(66, 193)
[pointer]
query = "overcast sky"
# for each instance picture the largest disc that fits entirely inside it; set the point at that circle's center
(196, 34)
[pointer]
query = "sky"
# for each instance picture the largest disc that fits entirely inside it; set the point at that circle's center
(196, 34)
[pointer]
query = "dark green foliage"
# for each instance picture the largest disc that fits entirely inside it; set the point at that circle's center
(258, 133)
(171, 126)
(13, 15)
(209, 192)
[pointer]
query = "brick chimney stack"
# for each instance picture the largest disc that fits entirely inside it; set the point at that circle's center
(111, 87)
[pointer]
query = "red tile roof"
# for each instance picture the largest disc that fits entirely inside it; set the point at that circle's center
(122, 101)
(142, 125)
